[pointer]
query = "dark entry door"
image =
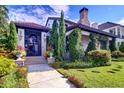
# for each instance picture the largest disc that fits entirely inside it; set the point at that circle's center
(33, 42)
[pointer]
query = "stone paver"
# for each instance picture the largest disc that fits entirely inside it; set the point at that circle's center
(43, 76)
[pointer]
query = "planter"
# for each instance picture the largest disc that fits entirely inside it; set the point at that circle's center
(19, 56)
(50, 60)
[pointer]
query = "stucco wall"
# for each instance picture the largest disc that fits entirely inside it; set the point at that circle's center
(118, 42)
(85, 41)
(43, 44)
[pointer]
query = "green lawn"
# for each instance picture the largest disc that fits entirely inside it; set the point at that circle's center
(99, 77)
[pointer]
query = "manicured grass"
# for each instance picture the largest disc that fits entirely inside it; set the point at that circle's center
(118, 59)
(99, 77)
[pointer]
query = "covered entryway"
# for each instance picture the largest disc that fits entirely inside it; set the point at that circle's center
(32, 37)
(33, 42)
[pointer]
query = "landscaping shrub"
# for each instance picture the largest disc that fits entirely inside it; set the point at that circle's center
(117, 54)
(7, 66)
(121, 47)
(21, 71)
(76, 64)
(56, 65)
(8, 81)
(78, 83)
(7, 54)
(100, 57)
(17, 79)
(75, 45)
(92, 43)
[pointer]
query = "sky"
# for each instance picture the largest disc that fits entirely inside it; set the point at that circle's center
(39, 13)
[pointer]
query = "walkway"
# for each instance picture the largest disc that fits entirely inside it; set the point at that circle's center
(43, 76)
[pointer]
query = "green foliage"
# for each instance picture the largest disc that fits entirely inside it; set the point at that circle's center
(92, 43)
(21, 71)
(4, 27)
(3, 19)
(100, 57)
(55, 65)
(75, 45)
(17, 79)
(78, 83)
(121, 47)
(12, 38)
(112, 45)
(7, 66)
(8, 81)
(54, 39)
(117, 54)
(76, 64)
(62, 41)
(5, 53)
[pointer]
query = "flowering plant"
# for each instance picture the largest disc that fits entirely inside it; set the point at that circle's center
(21, 51)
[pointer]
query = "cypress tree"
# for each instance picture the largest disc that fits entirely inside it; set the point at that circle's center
(4, 27)
(75, 45)
(92, 43)
(62, 31)
(12, 38)
(54, 38)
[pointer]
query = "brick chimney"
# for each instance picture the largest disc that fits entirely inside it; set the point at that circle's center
(84, 17)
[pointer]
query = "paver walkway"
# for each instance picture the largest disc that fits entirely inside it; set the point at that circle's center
(43, 76)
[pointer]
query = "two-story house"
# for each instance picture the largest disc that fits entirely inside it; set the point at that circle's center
(115, 29)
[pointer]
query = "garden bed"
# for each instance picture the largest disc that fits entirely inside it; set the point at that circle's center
(17, 79)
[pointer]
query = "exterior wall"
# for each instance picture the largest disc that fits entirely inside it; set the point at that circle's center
(43, 44)
(118, 42)
(85, 41)
(21, 36)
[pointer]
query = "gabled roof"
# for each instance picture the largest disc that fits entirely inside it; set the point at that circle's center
(90, 29)
(58, 18)
(31, 25)
(108, 25)
(83, 27)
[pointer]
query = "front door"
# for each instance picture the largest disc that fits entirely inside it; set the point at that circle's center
(33, 42)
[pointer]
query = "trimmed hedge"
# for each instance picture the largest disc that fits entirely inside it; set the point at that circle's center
(7, 66)
(121, 47)
(76, 64)
(117, 54)
(100, 57)
(78, 83)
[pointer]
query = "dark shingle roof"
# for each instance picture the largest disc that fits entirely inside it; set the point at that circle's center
(31, 25)
(90, 29)
(107, 25)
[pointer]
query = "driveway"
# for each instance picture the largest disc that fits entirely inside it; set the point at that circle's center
(43, 76)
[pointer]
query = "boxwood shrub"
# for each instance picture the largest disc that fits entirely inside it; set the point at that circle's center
(76, 64)
(7, 66)
(100, 57)
(117, 54)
